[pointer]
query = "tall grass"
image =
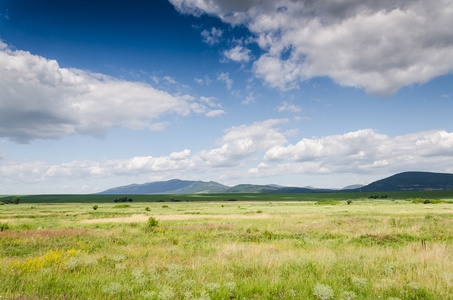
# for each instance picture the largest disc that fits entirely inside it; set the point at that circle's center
(366, 250)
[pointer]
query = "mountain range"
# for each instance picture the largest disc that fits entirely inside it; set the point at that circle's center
(406, 181)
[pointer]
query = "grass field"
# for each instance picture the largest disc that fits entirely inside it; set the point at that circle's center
(93, 198)
(380, 249)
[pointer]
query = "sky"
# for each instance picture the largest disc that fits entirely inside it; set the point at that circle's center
(99, 94)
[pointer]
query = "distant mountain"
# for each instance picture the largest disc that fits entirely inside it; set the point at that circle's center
(407, 181)
(251, 188)
(411, 181)
(174, 186)
(275, 185)
(352, 187)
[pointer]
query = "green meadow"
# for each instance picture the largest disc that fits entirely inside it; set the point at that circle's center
(95, 198)
(261, 246)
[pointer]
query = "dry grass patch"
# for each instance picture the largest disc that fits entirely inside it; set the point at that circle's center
(131, 219)
(205, 227)
(45, 233)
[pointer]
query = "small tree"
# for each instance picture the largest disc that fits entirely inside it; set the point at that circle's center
(349, 201)
(151, 224)
(95, 207)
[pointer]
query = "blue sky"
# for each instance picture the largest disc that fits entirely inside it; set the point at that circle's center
(97, 94)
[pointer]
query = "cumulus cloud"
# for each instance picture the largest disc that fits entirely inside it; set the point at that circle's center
(39, 99)
(239, 144)
(259, 149)
(203, 81)
(365, 151)
(225, 77)
(375, 45)
(244, 141)
(238, 54)
(215, 113)
(285, 106)
(249, 99)
(212, 37)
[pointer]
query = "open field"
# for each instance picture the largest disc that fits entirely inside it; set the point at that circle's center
(381, 249)
(93, 198)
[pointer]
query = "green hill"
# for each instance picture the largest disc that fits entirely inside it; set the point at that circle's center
(174, 186)
(407, 181)
(411, 181)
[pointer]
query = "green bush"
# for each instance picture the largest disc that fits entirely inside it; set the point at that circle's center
(123, 199)
(425, 201)
(4, 226)
(122, 206)
(15, 200)
(95, 207)
(151, 223)
(328, 202)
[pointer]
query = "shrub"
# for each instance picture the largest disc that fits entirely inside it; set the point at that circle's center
(151, 223)
(4, 226)
(123, 199)
(425, 201)
(95, 207)
(122, 206)
(328, 202)
(348, 295)
(147, 208)
(349, 202)
(323, 292)
(15, 200)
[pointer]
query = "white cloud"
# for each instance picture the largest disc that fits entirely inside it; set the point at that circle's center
(213, 36)
(203, 81)
(170, 80)
(249, 99)
(238, 54)
(375, 45)
(239, 144)
(243, 142)
(39, 99)
(366, 151)
(215, 113)
(285, 106)
(225, 77)
(210, 101)
(262, 149)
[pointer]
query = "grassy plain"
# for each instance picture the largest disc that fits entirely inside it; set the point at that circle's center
(95, 198)
(380, 249)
